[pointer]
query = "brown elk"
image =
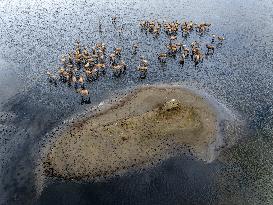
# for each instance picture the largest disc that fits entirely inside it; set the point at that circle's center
(197, 57)
(162, 57)
(134, 48)
(85, 96)
(221, 38)
(117, 51)
(182, 60)
(119, 68)
(143, 71)
(51, 78)
(186, 50)
(210, 48)
(114, 19)
(143, 62)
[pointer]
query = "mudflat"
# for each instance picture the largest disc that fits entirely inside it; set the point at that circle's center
(146, 126)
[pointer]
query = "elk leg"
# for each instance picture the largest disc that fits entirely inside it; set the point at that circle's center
(88, 101)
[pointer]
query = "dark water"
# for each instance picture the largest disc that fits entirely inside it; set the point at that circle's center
(177, 181)
(33, 34)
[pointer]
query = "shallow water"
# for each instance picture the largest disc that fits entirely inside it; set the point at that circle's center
(239, 75)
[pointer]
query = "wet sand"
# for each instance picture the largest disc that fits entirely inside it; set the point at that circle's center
(148, 125)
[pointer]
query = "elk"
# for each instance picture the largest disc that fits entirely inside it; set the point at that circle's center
(210, 48)
(143, 71)
(119, 68)
(114, 19)
(51, 78)
(134, 48)
(85, 94)
(143, 62)
(221, 38)
(118, 51)
(162, 57)
(186, 50)
(182, 59)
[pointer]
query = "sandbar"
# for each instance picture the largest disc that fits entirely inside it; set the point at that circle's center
(146, 126)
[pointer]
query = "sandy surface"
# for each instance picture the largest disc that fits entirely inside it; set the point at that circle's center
(148, 125)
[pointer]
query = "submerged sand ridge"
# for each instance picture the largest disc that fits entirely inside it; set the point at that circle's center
(151, 124)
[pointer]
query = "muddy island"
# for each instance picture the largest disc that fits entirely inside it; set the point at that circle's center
(148, 125)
